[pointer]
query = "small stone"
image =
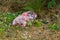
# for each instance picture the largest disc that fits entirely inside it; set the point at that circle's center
(45, 21)
(30, 36)
(57, 15)
(39, 31)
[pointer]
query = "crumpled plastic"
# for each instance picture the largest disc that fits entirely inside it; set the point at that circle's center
(23, 19)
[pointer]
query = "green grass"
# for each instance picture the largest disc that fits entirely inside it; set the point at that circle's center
(35, 5)
(6, 21)
(52, 4)
(6, 24)
(54, 26)
(58, 6)
(37, 23)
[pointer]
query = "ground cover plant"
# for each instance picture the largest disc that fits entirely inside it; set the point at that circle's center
(45, 27)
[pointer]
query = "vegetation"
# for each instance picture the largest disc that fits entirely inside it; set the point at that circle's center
(52, 3)
(47, 11)
(54, 27)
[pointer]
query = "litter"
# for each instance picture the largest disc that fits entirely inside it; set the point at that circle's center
(23, 19)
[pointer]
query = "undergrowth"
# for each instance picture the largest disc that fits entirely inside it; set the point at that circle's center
(54, 26)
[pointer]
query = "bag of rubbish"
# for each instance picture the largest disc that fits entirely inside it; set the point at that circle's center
(24, 18)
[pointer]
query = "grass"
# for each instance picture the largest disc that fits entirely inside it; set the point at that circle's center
(6, 25)
(58, 6)
(54, 26)
(6, 21)
(9, 31)
(37, 23)
(7, 18)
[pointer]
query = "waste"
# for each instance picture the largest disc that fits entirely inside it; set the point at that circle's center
(24, 18)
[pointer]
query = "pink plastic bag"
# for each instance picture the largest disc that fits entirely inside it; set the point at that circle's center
(23, 19)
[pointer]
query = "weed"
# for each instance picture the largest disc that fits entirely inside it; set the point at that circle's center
(54, 27)
(52, 3)
(35, 5)
(30, 23)
(37, 23)
(58, 6)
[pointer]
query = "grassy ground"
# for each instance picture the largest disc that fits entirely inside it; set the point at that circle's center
(49, 23)
(9, 32)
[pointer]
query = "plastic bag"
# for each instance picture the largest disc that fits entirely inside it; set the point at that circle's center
(23, 19)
